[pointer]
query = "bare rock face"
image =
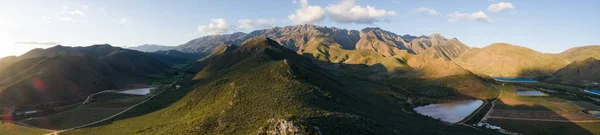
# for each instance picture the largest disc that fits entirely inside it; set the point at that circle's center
(309, 38)
(280, 127)
(382, 42)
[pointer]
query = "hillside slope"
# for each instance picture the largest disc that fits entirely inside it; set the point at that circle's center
(68, 74)
(57, 79)
(505, 60)
(264, 88)
(581, 73)
(581, 53)
(7, 61)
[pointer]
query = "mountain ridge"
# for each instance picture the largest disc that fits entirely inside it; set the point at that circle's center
(303, 38)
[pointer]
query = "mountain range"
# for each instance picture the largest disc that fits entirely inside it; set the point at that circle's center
(304, 38)
(262, 87)
(303, 79)
(151, 48)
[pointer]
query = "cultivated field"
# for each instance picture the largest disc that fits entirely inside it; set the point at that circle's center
(542, 115)
(100, 109)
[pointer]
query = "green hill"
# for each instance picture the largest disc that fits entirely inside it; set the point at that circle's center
(62, 75)
(57, 79)
(505, 60)
(581, 53)
(264, 88)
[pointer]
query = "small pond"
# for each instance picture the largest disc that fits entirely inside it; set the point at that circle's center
(530, 93)
(139, 91)
(450, 112)
(504, 79)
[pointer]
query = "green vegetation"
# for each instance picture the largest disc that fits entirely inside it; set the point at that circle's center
(259, 86)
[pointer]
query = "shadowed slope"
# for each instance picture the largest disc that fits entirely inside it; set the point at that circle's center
(581, 73)
(56, 79)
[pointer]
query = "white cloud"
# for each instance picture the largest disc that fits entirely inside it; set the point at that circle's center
(307, 14)
(477, 16)
(85, 7)
(431, 11)
(347, 12)
(218, 26)
(77, 12)
(497, 7)
(124, 20)
(258, 23)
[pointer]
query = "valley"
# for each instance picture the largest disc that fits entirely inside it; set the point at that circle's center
(300, 79)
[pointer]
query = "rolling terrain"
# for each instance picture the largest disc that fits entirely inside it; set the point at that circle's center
(62, 75)
(265, 88)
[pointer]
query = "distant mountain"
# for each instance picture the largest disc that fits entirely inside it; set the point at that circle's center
(581, 53)
(505, 60)
(303, 38)
(176, 57)
(389, 44)
(67, 74)
(581, 73)
(151, 48)
(262, 87)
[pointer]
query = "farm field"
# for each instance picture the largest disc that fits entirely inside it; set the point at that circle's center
(542, 114)
(103, 108)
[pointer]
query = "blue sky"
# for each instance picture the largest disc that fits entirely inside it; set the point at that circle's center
(545, 25)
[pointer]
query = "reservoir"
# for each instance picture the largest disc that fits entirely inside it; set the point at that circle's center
(597, 92)
(530, 93)
(450, 112)
(524, 80)
(140, 91)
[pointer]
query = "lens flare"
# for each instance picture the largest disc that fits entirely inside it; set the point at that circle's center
(39, 84)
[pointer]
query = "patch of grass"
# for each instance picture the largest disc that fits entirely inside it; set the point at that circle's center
(14, 129)
(106, 105)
